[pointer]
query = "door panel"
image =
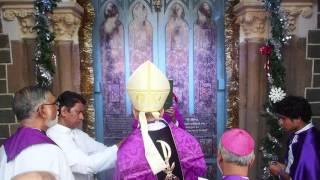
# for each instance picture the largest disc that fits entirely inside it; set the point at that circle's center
(177, 59)
(140, 36)
(181, 40)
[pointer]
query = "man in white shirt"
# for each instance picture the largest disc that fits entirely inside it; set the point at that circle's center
(85, 156)
(29, 149)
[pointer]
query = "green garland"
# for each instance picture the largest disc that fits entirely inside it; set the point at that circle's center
(43, 57)
(275, 74)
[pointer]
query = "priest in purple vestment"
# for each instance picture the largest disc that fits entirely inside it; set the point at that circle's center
(157, 149)
(29, 149)
(235, 154)
(303, 155)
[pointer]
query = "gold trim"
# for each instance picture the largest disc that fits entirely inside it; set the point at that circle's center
(86, 66)
(232, 63)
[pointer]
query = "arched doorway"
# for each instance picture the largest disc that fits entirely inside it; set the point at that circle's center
(184, 39)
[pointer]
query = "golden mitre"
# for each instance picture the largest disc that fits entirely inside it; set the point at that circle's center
(148, 88)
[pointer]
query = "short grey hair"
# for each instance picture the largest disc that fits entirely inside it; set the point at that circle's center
(35, 175)
(233, 158)
(27, 100)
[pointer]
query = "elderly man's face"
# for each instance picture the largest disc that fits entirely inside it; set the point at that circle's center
(49, 109)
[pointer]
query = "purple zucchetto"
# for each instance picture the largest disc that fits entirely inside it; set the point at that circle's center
(238, 142)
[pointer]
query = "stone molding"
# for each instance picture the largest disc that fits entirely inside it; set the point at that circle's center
(66, 26)
(253, 24)
(25, 19)
(66, 19)
(252, 17)
(294, 10)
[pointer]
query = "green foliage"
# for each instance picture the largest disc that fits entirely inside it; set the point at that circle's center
(43, 56)
(275, 71)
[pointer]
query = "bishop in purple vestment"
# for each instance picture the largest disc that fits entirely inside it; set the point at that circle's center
(235, 154)
(157, 149)
(132, 164)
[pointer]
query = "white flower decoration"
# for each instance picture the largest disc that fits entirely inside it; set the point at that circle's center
(276, 94)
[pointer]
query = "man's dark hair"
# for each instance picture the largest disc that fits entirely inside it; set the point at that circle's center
(27, 100)
(69, 99)
(294, 107)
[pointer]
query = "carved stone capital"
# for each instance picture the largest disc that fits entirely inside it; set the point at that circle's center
(294, 10)
(66, 26)
(253, 23)
(252, 19)
(25, 20)
(65, 20)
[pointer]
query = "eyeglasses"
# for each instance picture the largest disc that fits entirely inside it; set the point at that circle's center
(56, 103)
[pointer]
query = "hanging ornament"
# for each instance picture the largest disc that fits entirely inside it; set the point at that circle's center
(265, 50)
(276, 94)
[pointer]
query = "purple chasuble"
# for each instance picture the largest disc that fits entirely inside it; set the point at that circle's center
(234, 177)
(178, 117)
(306, 153)
(132, 163)
(22, 139)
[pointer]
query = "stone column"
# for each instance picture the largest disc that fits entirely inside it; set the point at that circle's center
(254, 29)
(18, 21)
(252, 19)
(18, 39)
(66, 23)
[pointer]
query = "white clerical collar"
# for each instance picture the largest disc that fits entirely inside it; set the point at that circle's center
(308, 126)
(156, 125)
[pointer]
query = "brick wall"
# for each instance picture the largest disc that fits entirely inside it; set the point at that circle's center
(312, 93)
(7, 118)
(0, 25)
(318, 24)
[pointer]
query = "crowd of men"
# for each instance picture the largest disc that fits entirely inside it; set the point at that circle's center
(49, 144)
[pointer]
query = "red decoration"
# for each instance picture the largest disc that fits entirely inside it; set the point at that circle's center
(265, 50)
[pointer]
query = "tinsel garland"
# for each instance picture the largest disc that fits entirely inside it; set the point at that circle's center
(275, 74)
(86, 65)
(43, 57)
(232, 62)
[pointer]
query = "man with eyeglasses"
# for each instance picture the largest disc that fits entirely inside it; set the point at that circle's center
(30, 149)
(303, 154)
(85, 156)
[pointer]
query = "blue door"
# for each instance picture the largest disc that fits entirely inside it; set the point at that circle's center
(185, 40)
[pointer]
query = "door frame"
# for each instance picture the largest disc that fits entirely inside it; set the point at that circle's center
(221, 76)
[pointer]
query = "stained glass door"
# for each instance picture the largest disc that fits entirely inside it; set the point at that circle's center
(180, 37)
